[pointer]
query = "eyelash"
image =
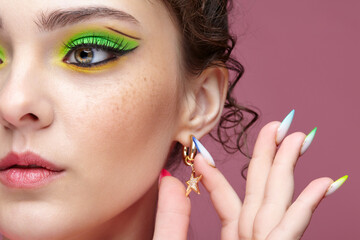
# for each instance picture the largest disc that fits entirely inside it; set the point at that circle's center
(116, 48)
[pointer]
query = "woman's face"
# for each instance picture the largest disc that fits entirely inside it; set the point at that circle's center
(92, 87)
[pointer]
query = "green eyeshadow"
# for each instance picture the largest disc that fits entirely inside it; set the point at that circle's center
(101, 39)
(2, 55)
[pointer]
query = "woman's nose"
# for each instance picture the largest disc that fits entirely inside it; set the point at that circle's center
(24, 103)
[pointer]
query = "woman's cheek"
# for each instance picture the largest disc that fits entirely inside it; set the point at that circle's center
(123, 115)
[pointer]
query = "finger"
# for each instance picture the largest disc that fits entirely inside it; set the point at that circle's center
(259, 168)
(298, 216)
(225, 200)
(280, 186)
(173, 211)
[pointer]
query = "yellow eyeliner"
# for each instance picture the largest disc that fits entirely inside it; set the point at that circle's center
(94, 69)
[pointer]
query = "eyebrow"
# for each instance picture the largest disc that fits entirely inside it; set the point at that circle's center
(61, 18)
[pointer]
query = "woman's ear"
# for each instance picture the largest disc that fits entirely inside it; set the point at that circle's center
(203, 103)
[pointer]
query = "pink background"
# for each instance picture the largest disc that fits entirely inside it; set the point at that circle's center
(302, 55)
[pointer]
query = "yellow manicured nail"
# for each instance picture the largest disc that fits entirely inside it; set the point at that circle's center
(336, 185)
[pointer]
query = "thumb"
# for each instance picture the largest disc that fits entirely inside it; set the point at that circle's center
(173, 211)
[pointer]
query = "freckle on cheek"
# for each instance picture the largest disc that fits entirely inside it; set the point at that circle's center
(115, 109)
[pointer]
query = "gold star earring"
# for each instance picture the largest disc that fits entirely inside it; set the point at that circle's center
(189, 155)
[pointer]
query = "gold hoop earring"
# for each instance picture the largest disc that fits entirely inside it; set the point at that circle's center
(189, 155)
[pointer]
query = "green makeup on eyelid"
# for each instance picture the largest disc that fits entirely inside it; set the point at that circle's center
(2, 54)
(100, 38)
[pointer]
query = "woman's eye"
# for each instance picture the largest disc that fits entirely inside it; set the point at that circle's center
(94, 49)
(88, 56)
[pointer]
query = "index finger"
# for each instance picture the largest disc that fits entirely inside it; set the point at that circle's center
(173, 212)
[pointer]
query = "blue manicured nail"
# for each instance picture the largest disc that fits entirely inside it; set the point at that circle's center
(202, 150)
(284, 127)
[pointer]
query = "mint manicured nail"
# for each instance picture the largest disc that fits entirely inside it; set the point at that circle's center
(306, 144)
(284, 127)
(202, 150)
(336, 185)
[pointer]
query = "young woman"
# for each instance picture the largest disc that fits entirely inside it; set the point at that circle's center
(96, 98)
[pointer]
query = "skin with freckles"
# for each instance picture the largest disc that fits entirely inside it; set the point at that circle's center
(110, 127)
(101, 92)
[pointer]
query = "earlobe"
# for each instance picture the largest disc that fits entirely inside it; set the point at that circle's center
(202, 108)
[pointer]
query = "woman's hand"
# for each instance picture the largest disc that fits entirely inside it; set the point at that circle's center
(267, 211)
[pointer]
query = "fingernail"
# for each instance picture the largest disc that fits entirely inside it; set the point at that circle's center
(163, 173)
(201, 149)
(336, 185)
(284, 127)
(306, 144)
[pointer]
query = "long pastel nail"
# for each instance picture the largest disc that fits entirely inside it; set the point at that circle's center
(284, 127)
(201, 149)
(163, 173)
(306, 144)
(336, 185)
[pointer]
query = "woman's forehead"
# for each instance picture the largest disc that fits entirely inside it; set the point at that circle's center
(49, 15)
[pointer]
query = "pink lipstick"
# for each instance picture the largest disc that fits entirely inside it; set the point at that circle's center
(27, 170)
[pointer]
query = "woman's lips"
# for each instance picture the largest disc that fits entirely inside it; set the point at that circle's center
(27, 170)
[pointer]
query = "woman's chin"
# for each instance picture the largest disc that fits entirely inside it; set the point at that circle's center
(36, 224)
(31, 232)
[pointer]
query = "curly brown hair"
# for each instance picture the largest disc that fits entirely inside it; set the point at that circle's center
(206, 41)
